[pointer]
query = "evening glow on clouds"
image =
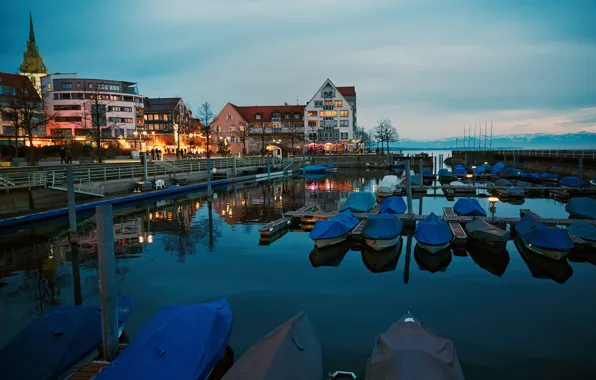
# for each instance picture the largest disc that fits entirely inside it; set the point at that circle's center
(432, 66)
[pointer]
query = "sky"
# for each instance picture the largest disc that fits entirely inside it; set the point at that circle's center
(431, 66)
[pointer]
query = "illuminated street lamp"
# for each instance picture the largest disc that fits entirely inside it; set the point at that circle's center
(493, 202)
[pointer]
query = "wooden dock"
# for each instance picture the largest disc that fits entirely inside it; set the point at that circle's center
(89, 370)
(456, 228)
(275, 226)
(356, 233)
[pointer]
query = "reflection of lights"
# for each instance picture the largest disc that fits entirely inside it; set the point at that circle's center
(223, 212)
(197, 205)
(243, 203)
(312, 186)
(151, 216)
(141, 239)
(150, 239)
(356, 190)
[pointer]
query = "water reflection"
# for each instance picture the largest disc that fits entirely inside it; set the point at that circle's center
(437, 262)
(381, 261)
(542, 267)
(329, 256)
(494, 262)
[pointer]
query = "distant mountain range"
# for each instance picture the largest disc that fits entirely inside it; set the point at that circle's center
(579, 140)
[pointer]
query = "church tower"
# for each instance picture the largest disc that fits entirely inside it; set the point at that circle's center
(33, 66)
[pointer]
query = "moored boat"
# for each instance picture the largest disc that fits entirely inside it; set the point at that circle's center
(549, 177)
(550, 242)
(381, 261)
(330, 256)
(359, 202)
(584, 231)
(496, 168)
(386, 187)
(291, 351)
(468, 207)
(330, 168)
(593, 182)
(433, 234)
(382, 231)
(408, 350)
(523, 184)
(314, 169)
(531, 177)
(398, 168)
(57, 342)
(571, 182)
(542, 267)
(445, 175)
(511, 173)
(581, 207)
(459, 170)
(335, 230)
(487, 235)
(179, 342)
(393, 205)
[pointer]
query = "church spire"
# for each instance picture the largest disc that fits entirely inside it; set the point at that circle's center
(31, 31)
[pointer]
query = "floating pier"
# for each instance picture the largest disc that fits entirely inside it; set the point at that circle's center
(456, 228)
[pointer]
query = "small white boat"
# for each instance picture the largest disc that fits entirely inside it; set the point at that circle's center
(322, 243)
(333, 231)
(403, 176)
(433, 248)
(382, 231)
(387, 186)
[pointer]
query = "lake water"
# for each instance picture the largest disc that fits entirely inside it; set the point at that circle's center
(521, 325)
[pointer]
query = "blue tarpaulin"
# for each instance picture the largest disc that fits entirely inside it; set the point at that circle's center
(537, 233)
(546, 175)
(359, 202)
(583, 230)
(523, 184)
(482, 169)
(468, 207)
(569, 181)
(53, 343)
(511, 173)
(445, 173)
(337, 226)
(393, 205)
(382, 226)
(459, 170)
(503, 183)
(315, 169)
(433, 231)
(582, 207)
(531, 177)
(179, 342)
(497, 168)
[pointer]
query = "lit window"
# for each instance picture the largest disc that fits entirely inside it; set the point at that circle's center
(344, 113)
(258, 116)
(328, 102)
(339, 103)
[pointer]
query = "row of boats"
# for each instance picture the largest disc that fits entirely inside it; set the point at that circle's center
(191, 341)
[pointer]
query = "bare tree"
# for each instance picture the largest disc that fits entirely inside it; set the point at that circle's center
(207, 118)
(386, 132)
(363, 136)
(296, 133)
(260, 134)
(242, 132)
(28, 114)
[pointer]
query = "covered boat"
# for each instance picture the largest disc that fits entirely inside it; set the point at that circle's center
(459, 170)
(581, 207)
(56, 342)
(542, 267)
(482, 169)
(433, 234)
(569, 182)
(359, 202)
(330, 168)
(593, 182)
(179, 342)
(393, 205)
(531, 177)
(501, 182)
(551, 242)
(445, 175)
(398, 168)
(290, 351)
(381, 261)
(549, 177)
(330, 256)
(408, 350)
(523, 184)
(386, 187)
(496, 168)
(314, 169)
(432, 262)
(486, 234)
(468, 207)
(584, 231)
(334, 230)
(382, 231)
(511, 173)
(491, 260)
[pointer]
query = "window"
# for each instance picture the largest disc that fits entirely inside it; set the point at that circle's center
(64, 96)
(338, 103)
(344, 135)
(118, 132)
(344, 113)
(8, 130)
(62, 132)
(313, 123)
(276, 130)
(276, 117)
(312, 113)
(80, 132)
(258, 116)
(67, 107)
(9, 116)
(318, 104)
(78, 84)
(78, 95)
(68, 119)
(297, 116)
(165, 117)
(120, 119)
(328, 107)
(90, 85)
(5, 90)
(328, 92)
(287, 116)
(106, 133)
(228, 117)
(232, 128)
(344, 123)
(332, 113)
(217, 129)
(66, 86)
(328, 102)
(119, 109)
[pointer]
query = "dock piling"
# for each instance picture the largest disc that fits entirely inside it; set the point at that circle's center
(107, 280)
(409, 187)
(72, 211)
(580, 173)
(435, 166)
(421, 173)
(145, 172)
(408, 258)
(268, 166)
(234, 165)
(515, 161)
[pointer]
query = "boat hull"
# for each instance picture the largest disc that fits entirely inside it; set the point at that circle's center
(322, 243)
(548, 253)
(433, 248)
(380, 244)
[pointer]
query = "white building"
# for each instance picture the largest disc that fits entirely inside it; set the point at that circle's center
(71, 100)
(330, 115)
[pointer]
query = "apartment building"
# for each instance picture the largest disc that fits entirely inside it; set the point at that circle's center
(15, 90)
(73, 101)
(167, 120)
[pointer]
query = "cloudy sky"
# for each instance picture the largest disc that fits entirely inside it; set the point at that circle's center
(431, 66)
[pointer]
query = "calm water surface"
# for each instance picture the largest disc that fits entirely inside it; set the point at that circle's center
(521, 325)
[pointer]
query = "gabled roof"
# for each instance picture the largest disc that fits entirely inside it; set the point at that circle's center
(160, 104)
(19, 82)
(347, 90)
(249, 113)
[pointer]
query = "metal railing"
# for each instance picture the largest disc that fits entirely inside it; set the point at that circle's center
(555, 153)
(55, 177)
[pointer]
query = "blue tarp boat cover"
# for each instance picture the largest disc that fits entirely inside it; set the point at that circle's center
(569, 181)
(537, 233)
(393, 205)
(582, 207)
(501, 182)
(382, 226)
(531, 176)
(496, 168)
(459, 170)
(546, 175)
(433, 231)
(468, 207)
(523, 184)
(445, 173)
(583, 230)
(359, 202)
(315, 169)
(51, 344)
(511, 173)
(180, 342)
(427, 173)
(482, 169)
(337, 226)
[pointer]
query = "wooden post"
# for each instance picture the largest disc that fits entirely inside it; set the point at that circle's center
(268, 166)
(408, 258)
(208, 173)
(580, 173)
(409, 187)
(421, 174)
(107, 280)
(72, 211)
(145, 172)
(466, 160)
(515, 161)
(435, 166)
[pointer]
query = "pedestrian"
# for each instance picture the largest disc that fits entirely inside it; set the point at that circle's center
(62, 155)
(153, 153)
(68, 155)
